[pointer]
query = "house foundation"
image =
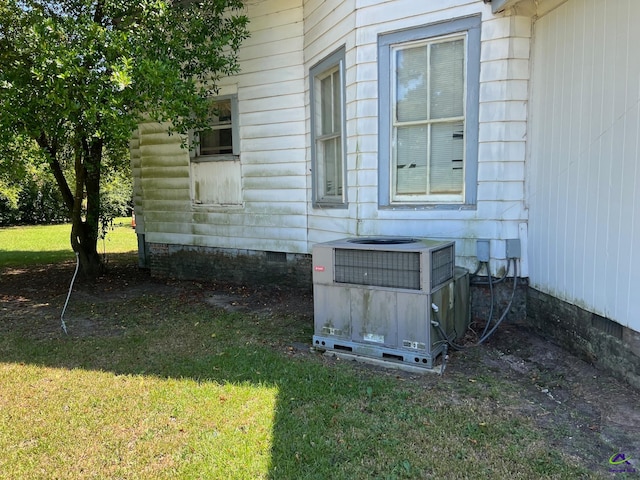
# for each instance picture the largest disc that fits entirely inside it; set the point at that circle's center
(238, 266)
(598, 340)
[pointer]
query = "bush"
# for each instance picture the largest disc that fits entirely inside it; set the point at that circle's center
(39, 202)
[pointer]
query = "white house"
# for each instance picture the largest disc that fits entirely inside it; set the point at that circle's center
(456, 119)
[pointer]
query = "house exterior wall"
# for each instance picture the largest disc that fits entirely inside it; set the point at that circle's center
(329, 26)
(499, 213)
(503, 91)
(288, 38)
(583, 169)
(270, 91)
(583, 189)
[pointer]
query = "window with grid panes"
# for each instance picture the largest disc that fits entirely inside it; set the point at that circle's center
(429, 83)
(327, 125)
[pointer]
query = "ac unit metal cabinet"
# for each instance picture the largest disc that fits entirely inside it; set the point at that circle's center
(374, 297)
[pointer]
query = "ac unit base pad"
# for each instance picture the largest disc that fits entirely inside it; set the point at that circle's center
(418, 358)
(394, 365)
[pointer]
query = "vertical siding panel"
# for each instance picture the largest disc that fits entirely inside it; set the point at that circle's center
(562, 167)
(629, 154)
(595, 99)
(582, 87)
(618, 56)
(577, 195)
(541, 222)
(633, 303)
(583, 154)
(605, 144)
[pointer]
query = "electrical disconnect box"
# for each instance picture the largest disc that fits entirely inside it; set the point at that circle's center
(513, 248)
(482, 250)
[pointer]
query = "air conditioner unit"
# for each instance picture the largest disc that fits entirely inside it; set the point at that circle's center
(375, 297)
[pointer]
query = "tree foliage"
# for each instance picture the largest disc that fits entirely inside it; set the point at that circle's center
(77, 76)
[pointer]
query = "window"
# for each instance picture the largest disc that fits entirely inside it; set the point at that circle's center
(216, 175)
(327, 131)
(428, 105)
(220, 142)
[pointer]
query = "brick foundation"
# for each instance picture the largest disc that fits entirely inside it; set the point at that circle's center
(247, 267)
(603, 342)
(502, 292)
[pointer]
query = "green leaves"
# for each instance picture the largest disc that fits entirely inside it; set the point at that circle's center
(77, 76)
(97, 66)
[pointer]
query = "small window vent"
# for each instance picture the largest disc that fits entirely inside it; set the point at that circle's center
(378, 268)
(277, 257)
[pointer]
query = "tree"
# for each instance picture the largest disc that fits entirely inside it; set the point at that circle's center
(78, 76)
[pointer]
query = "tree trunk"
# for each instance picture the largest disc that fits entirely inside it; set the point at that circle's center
(84, 243)
(84, 232)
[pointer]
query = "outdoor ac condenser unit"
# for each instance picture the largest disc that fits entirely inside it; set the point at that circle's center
(375, 297)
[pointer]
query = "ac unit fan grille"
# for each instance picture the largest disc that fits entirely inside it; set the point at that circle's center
(442, 266)
(378, 268)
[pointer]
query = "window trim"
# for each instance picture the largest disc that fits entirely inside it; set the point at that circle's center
(198, 162)
(333, 61)
(235, 136)
(386, 44)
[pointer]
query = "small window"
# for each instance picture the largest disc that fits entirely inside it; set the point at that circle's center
(429, 83)
(221, 139)
(216, 172)
(327, 131)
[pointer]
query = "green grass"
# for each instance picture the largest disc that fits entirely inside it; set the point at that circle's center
(46, 244)
(168, 388)
(160, 384)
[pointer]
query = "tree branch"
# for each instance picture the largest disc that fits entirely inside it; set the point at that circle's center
(52, 155)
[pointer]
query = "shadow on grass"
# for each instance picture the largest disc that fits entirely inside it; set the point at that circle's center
(168, 330)
(16, 258)
(331, 420)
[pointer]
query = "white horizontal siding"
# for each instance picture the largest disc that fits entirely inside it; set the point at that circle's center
(328, 26)
(284, 114)
(585, 179)
(163, 176)
(500, 208)
(282, 87)
(138, 198)
(267, 158)
(271, 94)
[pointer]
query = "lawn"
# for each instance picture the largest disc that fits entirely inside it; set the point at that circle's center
(45, 244)
(168, 379)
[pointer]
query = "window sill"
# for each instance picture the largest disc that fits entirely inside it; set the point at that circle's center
(423, 207)
(330, 206)
(215, 158)
(216, 207)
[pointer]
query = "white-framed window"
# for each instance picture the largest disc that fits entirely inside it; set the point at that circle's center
(216, 173)
(328, 131)
(428, 106)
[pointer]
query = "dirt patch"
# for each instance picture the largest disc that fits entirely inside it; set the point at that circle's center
(594, 416)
